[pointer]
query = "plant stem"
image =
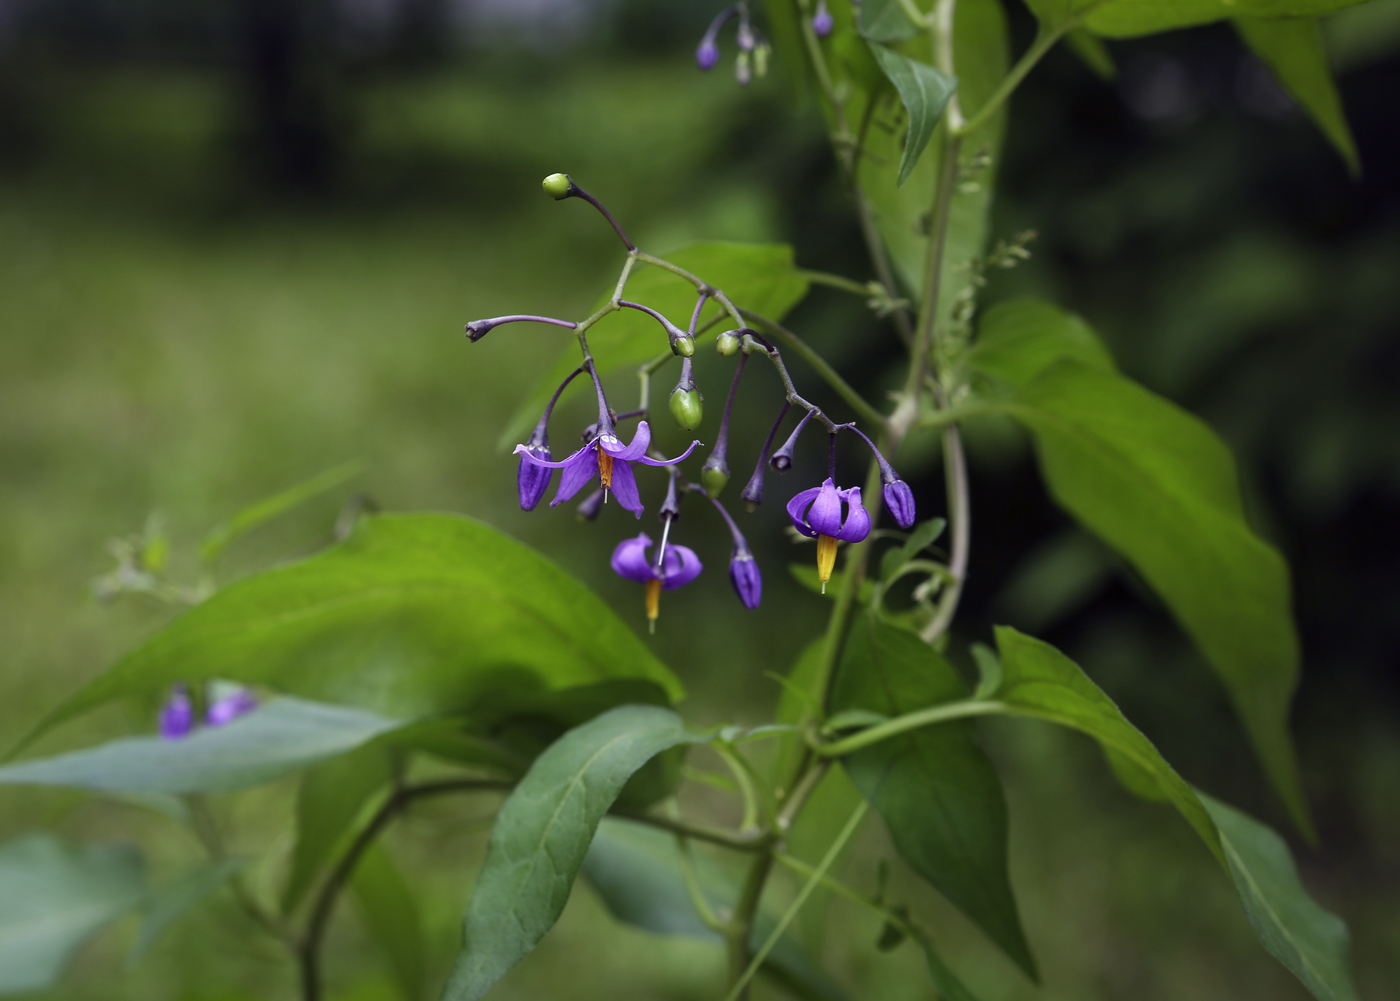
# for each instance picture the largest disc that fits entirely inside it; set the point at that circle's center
(1045, 39)
(741, 924)
(837, 282)
(909, 721)
(863, 408)
(959, 521)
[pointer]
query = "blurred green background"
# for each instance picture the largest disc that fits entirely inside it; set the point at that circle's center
(238, 242)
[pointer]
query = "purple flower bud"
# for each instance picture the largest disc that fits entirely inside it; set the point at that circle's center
(477, 329)
(533, 480)
(821, 20)
(230, 707)
(589, 507)
(707, 54)
(177, 715)
(782, 458)
(900, 500)
(747, 581)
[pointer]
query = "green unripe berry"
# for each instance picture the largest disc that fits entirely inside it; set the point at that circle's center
(684, 346)
(727, 344)
(687, 408)
(713, 480)
(557, 186)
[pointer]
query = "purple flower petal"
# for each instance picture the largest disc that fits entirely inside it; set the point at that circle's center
(533, 480)
(629, 559)
(230, 707)
(857, 524)
(641, 441)
(579, 468)
(747, 581)
(682, 567)
(824, 516)
(525, 454)
(797, 510)
(900, 500)
(624, 487)
(644, 460)
(177, 715)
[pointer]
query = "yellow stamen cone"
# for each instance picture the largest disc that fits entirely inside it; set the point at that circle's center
(826, 558)
(605, 466)
(653, 602)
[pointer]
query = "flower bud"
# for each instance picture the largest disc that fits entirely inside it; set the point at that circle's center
(747, 581)
(821, 20)
(707, 54)
(760, 59)
(687, 408)
(589, 507)
(557, 186)
(743, 73)
(900, 501)
(727, 344)
(684, 346)
(225, 710)
(713, 479)
(177, 715)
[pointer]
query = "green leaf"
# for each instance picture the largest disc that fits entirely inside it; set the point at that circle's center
(330, 799)
(265, 510)
(1040, 681)
(938, 793)
(989, 674)
(1092, 53)
(1293, 49)
(176, 899)
(1018, 340)
(925, 92)
(636, 870)
(885, 21)
(411, 616)
(806, 575)
(1310, 941)
(1129, 18)
(282, 736)
(1158, 485)
(757, 276)
(945, 981)
(53, 896)
(542, 834)
(923, 536)
(390, 912)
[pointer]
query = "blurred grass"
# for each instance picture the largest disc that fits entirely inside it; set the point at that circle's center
(170, 342)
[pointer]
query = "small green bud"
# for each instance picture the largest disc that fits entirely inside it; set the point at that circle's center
(713, 480)
(727, 344)
(687, 408)
(557, 186)
(684, 346)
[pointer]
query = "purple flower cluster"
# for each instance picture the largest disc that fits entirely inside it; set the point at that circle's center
(754, 49)
(177, 716)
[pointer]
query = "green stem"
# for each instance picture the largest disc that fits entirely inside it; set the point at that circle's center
(857, 816)
(910, 721)
(693, 889)
(1045, 39)
(741, 925)
(959, 522)
(837, 281)
(841, 889)
(820, 365)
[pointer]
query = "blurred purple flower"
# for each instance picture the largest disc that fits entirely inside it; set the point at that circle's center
(177, 715)
(821, 20)
(230, 707)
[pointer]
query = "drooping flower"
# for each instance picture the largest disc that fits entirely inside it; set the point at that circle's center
(533, 479)
(230, 707)
(743, 568)
(707, 52)
(898, 497)
(610, 460)
(816, 513)
(679, 566)
(177, 715)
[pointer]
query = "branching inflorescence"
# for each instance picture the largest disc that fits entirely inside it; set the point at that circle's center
(815, 513)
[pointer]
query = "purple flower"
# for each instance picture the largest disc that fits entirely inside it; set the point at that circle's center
(743, 568)
(230, 707)
(177, 715)
(679, 566)
(816, 513)
(534, 479)
(610, 460)
(707, 54)
(821, 20)
(900, 500)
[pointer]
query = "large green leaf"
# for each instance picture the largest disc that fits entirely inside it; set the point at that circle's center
(177, 898)
(1159, 486)
(938, 793)
(390, 912)
(1127, 18)
(636, 870)
(757, 276)
(1018, 340)
(925, 92)
(885, 21)
(282, 736)
(412, 615)
(1293, 48)
(1310, 941)
(1040, 681)
(542, 834)
(53, 896)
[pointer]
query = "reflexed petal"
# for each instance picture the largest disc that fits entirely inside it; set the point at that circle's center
(579, 468)
(682, 567)
(857, 525)
(824, 517)
(629, 559)
(900, 500)
(641, 441)
(670, 462)
(797, 510)
(524, 452)
(624, 487)
(747, 581)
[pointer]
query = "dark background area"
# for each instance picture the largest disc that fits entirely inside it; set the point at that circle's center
(237, 244)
